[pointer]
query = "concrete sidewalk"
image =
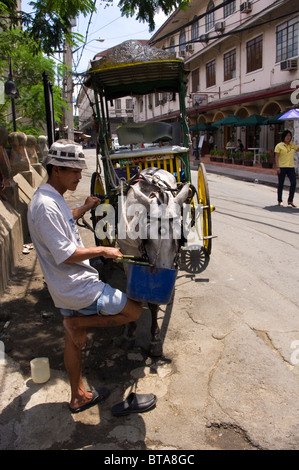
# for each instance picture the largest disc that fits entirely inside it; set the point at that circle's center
(254, 174)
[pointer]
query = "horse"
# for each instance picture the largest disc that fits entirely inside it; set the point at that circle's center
(152, 229)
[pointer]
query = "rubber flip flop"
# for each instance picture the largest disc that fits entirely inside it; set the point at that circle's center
(97, 396)
(135, 404)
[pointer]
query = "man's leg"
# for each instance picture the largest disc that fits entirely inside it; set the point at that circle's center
(75, 339)
(73, 365)
(76, 325)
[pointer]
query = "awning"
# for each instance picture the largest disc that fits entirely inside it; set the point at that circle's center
(229, 120)
(201, 126)
(253, 120)
(275, 119)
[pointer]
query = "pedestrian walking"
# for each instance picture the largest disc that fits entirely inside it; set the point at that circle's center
(284, 159)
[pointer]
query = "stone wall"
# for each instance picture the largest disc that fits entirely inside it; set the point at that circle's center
(21, 172)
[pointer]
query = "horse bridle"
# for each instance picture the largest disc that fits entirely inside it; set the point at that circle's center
(161, 190)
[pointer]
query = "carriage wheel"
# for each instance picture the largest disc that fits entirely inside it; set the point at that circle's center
(97, 189)
(204, 199)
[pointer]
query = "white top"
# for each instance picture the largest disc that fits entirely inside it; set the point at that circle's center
(55, 236)
(148, 152)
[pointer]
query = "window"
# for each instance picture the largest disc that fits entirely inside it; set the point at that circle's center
(287, 40)
(118, 105)
(182, 41)
(229, 9)
(164, 98)
(211, 73)
(150, 101)
(229, 65)
(171, 45)
(210, 17)
(194, 30)
(157, 99)
(195, 80)
(129, 104)
(254, 54)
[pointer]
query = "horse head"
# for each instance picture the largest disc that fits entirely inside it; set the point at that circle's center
(153, 214)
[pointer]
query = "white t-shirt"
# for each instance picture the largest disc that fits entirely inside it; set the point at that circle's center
(55, 236)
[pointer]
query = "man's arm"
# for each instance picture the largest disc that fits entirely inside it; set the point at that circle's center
(90, 203)
(82, 254)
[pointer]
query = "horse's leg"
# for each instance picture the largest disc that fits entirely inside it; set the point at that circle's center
(130, 334)
(156, 342)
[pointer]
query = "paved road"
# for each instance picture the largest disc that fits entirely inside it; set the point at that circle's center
(250, 305)
(228, 378)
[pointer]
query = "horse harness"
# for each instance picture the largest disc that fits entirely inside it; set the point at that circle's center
(162, 187)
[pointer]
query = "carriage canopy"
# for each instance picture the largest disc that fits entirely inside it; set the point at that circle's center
(133, 68)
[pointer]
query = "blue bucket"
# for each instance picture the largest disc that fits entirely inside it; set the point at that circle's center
(148, 284)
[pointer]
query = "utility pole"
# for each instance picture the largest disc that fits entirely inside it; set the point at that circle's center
(67, 88)
(68, 115)
(68, 118)
(48, 93)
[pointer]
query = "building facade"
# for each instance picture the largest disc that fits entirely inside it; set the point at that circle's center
(242, 59)
(120, 111)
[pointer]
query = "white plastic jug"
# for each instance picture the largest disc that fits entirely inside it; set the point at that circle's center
(40, 370)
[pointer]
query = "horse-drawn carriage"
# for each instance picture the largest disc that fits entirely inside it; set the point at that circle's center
(150, 169)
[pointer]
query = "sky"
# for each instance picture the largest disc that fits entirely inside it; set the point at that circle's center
(108, 24)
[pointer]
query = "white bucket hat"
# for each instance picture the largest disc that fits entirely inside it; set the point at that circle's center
(65, 153)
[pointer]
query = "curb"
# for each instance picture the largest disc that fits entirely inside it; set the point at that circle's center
(243, 175)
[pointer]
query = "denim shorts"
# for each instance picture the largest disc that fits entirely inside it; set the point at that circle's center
(110, 302)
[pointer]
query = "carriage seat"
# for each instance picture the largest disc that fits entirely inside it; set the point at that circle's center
(146, 132)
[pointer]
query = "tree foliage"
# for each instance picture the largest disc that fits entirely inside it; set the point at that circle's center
(50, 23)
(145, 10)
(27, 75)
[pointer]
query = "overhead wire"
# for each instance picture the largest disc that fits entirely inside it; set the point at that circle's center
(194, 20)
(233, 31)
(190, 23)
(86, 36)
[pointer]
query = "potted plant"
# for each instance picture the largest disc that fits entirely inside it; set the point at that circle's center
(213, 154)
(265, 159)
(219, 158)
(248, 158)
(228, 157)
(238, 160)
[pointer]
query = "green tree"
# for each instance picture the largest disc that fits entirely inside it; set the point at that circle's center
(27, 75)
(145, 10)
(50, 22)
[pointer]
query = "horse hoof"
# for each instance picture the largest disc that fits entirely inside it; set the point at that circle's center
(156, 349)
(128, 342)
